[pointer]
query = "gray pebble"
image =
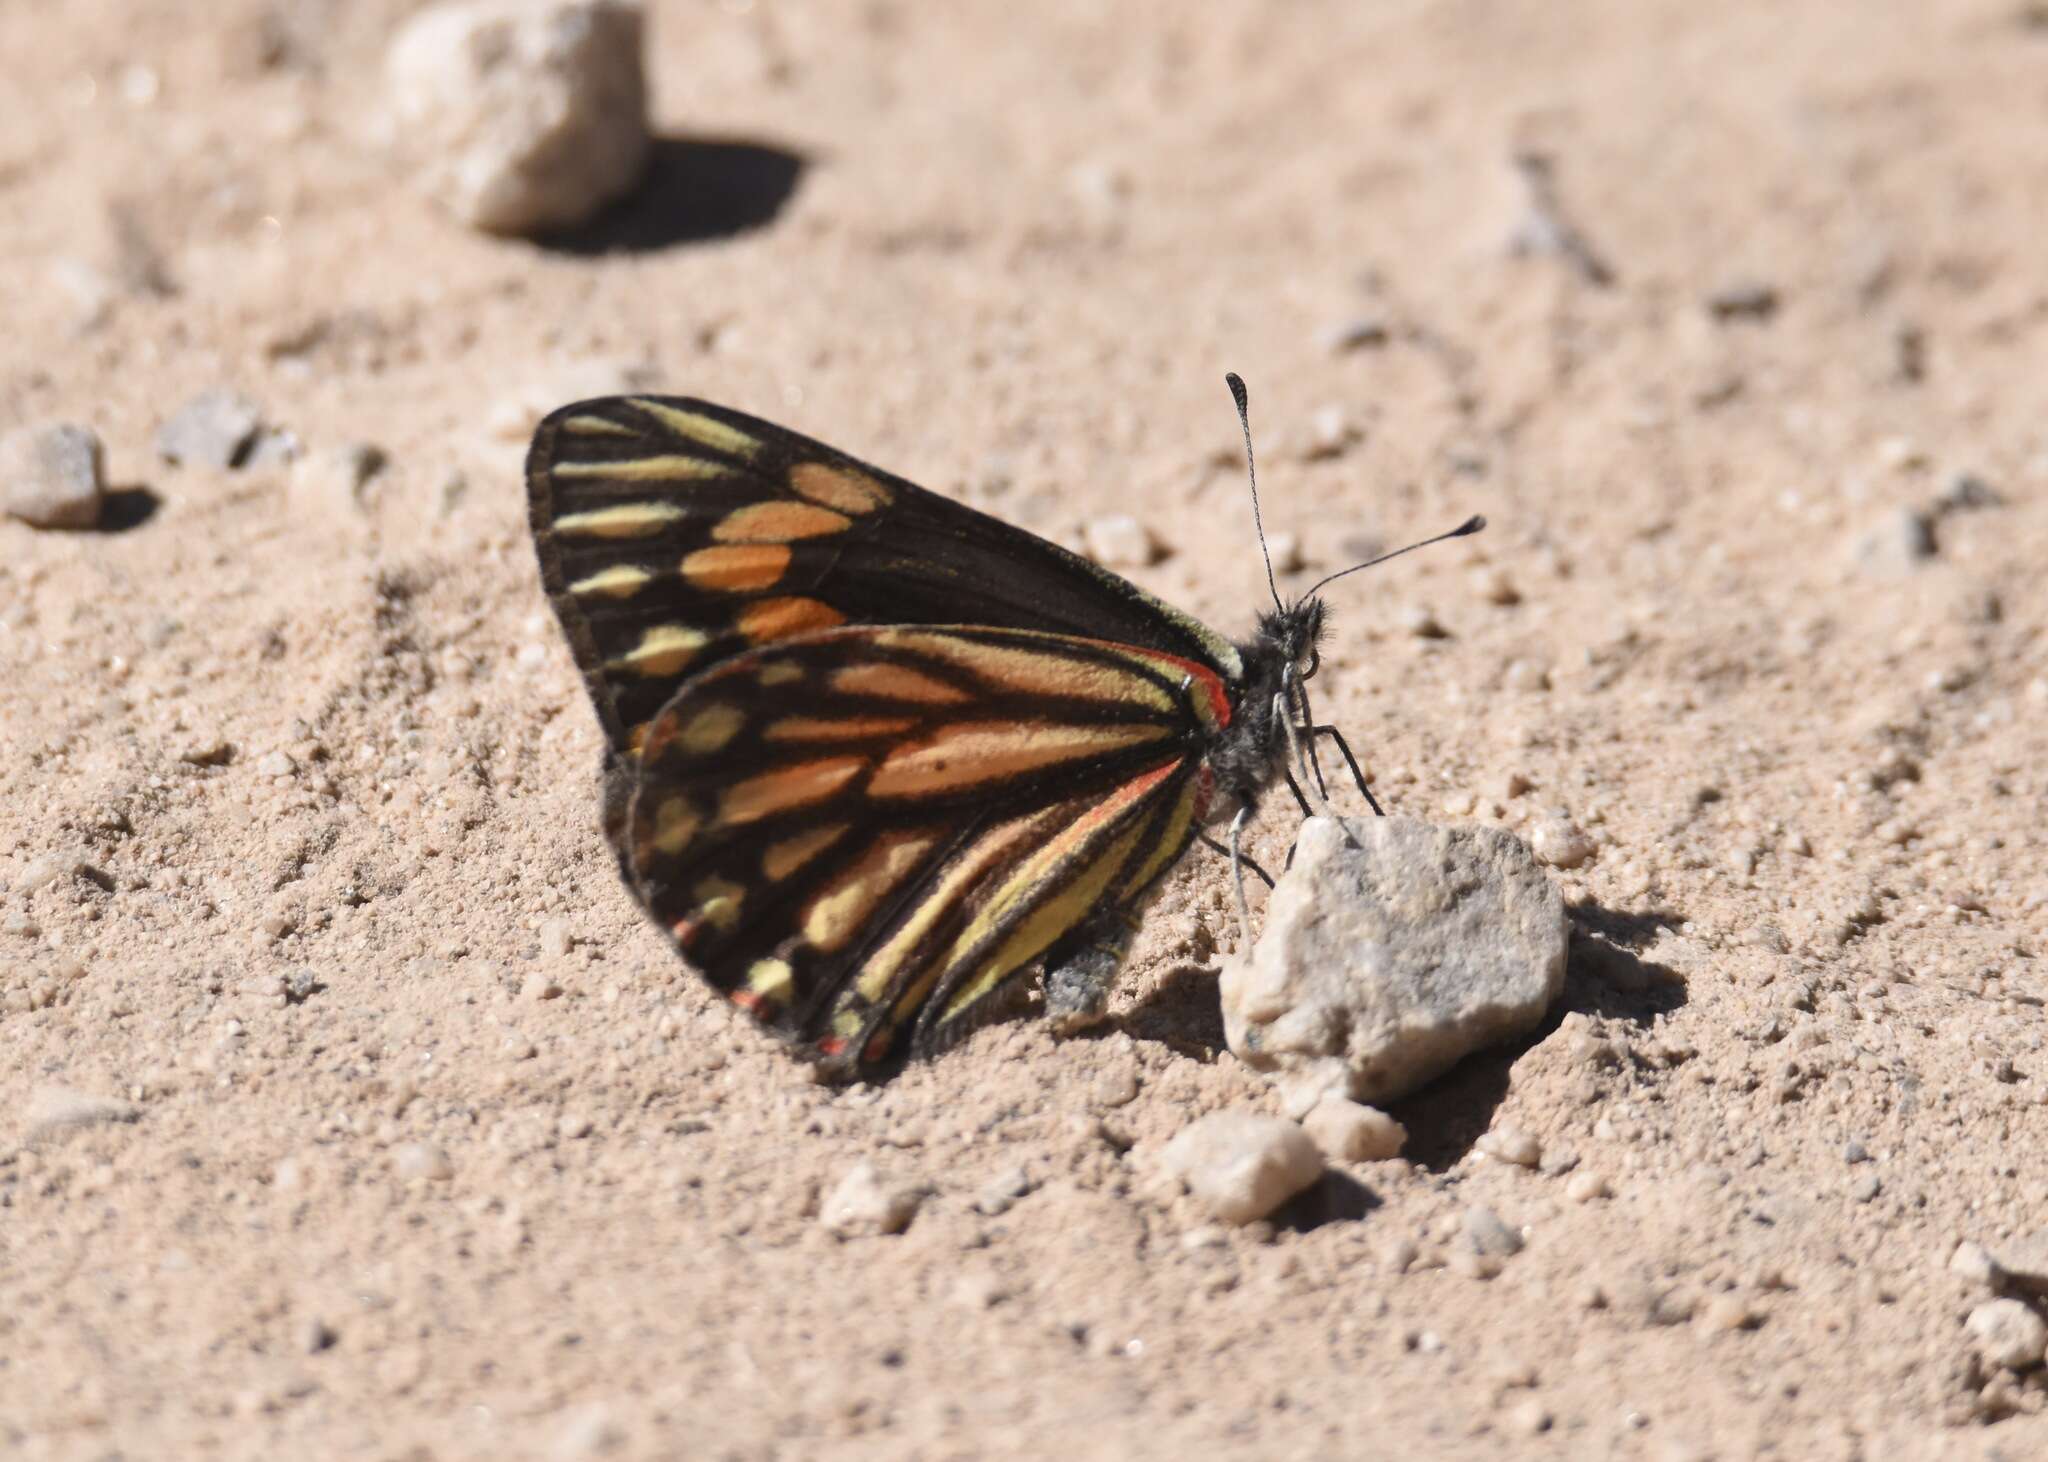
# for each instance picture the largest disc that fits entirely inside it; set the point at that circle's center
(1743, 299)
(1854, 1151)
(865, 1202)
(1486, 1234)
(215, 429)
(52, 478)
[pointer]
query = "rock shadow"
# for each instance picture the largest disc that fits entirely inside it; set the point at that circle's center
(695, 189)
(1184, 1012)
(125, 509)
(1335, 1197)
(1603, 976)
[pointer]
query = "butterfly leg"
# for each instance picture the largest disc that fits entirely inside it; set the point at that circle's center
(1080, 975)
(1357, 774)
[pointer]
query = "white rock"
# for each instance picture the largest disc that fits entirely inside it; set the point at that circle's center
(1559, 842)
(214, 429)
(2008, 1334)
(421, 1161)
(1899, 543)
(1384, 964)
(1974, 1262)
(523, 115)
(1242, 1166)
(1120, 541)
(54, 1109)
(52, 478)
(1349, 1132)
(1286, 551)
(864, 1202)
(1511, 1145)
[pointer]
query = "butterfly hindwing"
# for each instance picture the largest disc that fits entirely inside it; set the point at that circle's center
(873, 827)
(674, 534)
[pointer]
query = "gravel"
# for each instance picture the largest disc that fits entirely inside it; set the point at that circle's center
(1241, 1166)
(52, 478)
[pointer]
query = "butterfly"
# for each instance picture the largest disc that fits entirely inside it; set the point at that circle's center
(872, 755)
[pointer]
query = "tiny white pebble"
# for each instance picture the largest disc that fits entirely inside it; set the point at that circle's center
(414, 1161)
(1120, 541)
(1559, 843)
(1585, 1187)
(1510, 1145)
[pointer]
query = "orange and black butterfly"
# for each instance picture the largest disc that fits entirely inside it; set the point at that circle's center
(873, 754)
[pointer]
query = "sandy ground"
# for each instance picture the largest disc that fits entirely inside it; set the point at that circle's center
(315, 777)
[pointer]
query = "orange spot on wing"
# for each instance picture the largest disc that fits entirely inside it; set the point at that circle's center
(768, 620)
(896, 683)
(975, 753)
(737, 567)
(779, 522)
(835, 728)
(838, 487)
(761, 796)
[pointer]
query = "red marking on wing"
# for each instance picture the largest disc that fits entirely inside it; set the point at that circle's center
(1209, 680)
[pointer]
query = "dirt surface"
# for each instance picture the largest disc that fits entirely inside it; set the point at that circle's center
(421, 1143)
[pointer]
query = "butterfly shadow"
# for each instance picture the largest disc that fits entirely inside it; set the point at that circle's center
(1604, 976)
(695, 189)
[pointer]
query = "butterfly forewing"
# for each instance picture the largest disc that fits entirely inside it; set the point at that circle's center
(871, 753)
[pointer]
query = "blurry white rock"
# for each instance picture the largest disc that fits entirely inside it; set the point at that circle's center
(1898, 543)
(1385, 963)
(1349, 1132)
(522, 115)
(1120, 541)
(216, 428)
(53, 1109)
(864, 1202)
(2008, 1334)
(1241, 1166)
(52, 478)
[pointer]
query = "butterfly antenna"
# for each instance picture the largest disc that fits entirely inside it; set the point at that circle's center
(1244, 419)
(1471, 525)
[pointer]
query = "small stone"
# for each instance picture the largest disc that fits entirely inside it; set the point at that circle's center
(1485, 1233)
(1492, 584)
(1967, 492)
(1526, 676)
(1002, 1191)
(51, 1110)
(1286, 551)
(1514, 784)
(340, 475)
(522, 117)
(555, 938)
(1420, 621)
(210, 751)
(1854, 1151)
(1867, 1188)
(864, 1202)
(20, 925)
(1585, 1187)
(573, 1126)
(1330, 433)
(1729, 1313)
(1974, 1262)
(538, 987)
(1529, 1418)
(1559, 843)
(1363, 332)
(978, 1289)
(215, 429)
(2025, 1263)
(1350, 1132)
(1241, 1166)
(421, 1162)
(1120, 541)
(1900, 543)
(2009, 1334)
(276, 764)
(1743, 299)
(316, 1335)
(1392, 949)
(1512, 1146)
(52, 478)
